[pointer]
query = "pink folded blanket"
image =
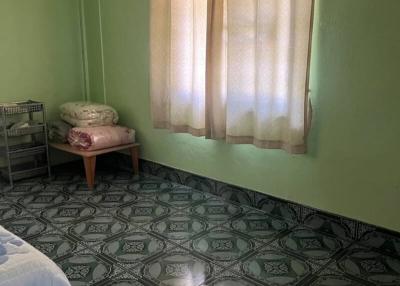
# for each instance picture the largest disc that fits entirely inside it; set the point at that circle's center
(95, 138)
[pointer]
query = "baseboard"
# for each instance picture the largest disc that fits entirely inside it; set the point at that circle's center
(298, 213)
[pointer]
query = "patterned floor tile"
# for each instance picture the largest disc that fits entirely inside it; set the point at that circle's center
(121, 177)
(198, 183)
(168, 174)
(370, 266)
(182, 197)
(26, 227)
(96, 229)
(223, 246)
(217, 210)
(116, 186)
(235, 194)
(145, 231)
(109, 199)
(52, 187)
(259, 225)
(87, 268)
(180, 227)
(150, 187)
(311, 244)
(124, 279)
(81, 187)
(177, 268)
(42, 200)
(389, 244)
(70, 212)
(142, 212)
(54, 244)
(133, 247)
(228, 278)
(272, 267)
(330, 226)
(21, 190)
(278, 208)
(335, 278)
(10, 211)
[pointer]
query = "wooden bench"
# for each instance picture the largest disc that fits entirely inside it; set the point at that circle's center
(89, 157)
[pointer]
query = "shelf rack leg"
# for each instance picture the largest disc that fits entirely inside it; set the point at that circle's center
(45, 140)
(10, 178)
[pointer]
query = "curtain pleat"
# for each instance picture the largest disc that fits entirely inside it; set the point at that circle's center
(216, 94)
(234, 70)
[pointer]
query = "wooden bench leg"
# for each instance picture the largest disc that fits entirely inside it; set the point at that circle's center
(135, 159)
(90, 167)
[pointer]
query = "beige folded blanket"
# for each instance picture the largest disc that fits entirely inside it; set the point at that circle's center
(87, 114)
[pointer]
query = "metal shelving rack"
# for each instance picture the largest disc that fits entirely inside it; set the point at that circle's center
(25, 149)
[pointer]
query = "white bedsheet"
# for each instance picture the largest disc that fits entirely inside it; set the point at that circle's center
(23, 265)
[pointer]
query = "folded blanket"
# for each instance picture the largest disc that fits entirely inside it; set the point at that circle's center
(85, 114)
(86, 122)
(58, 131)
(22, 124)
(94, 138)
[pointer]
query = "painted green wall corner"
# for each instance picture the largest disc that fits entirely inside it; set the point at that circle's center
(94, 43)
(41, 53)
(352, 166)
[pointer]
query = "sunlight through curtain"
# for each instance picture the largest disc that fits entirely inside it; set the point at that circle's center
(234, 70)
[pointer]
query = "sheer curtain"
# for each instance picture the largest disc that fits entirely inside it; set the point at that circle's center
(178, 67)
(235, 70)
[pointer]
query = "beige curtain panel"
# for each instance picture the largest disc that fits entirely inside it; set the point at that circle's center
(234, 70)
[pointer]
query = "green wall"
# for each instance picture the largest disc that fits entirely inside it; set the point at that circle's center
(41, 51)
(41, 55)
(91, 18)
(352, 165)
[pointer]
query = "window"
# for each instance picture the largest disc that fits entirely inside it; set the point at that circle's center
(234, 70)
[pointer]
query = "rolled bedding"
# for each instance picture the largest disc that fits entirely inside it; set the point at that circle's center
(101, 137)
(88, 114)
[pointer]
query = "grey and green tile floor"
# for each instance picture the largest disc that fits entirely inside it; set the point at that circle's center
(147, 231)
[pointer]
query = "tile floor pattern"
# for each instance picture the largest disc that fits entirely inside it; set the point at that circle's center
(142, 230)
